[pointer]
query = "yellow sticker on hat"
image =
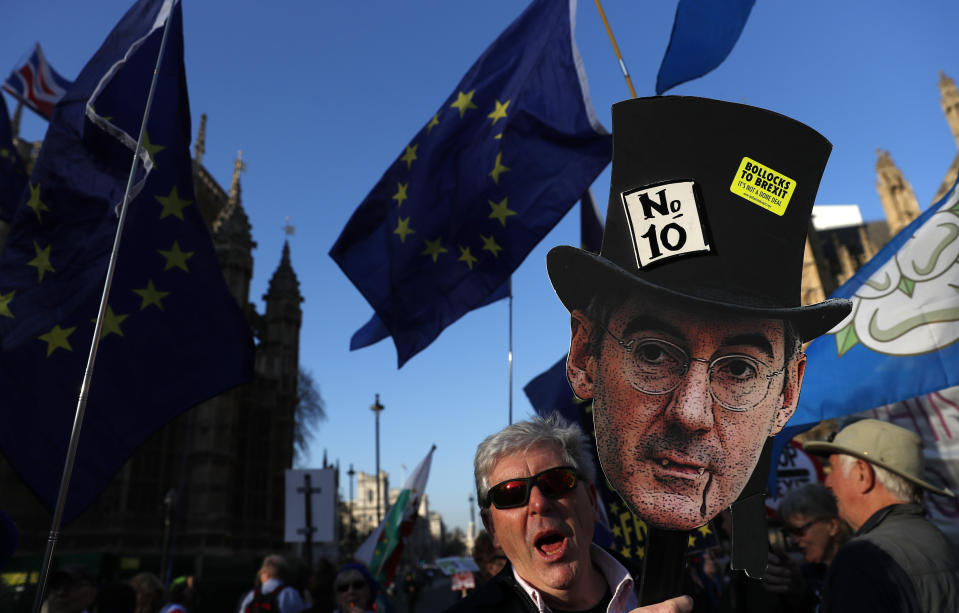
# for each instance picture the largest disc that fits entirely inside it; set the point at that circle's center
(763, 186)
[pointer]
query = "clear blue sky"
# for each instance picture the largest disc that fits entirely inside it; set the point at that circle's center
(323, 96)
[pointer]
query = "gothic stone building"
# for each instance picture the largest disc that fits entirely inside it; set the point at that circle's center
(219, 467)
(834, 255)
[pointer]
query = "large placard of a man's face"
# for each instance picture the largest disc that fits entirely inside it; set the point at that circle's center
(686, 328)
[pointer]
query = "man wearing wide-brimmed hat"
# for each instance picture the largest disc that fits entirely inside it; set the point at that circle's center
(897, 560)
(687, 326)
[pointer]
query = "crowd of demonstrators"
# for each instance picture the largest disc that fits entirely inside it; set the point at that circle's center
(535, 481)
(897, 560)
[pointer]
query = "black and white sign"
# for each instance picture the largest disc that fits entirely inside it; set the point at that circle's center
(665, 222)
(319, 485)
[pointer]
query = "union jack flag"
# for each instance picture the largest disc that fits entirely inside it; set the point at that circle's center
(36, 84)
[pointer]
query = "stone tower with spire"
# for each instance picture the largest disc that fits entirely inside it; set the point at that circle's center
(949, 100)
(895, 193)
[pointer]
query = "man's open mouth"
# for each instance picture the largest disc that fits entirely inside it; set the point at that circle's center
(550, 544)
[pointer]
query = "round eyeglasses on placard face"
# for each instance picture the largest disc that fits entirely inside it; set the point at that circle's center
(552, 483)
(737, 382)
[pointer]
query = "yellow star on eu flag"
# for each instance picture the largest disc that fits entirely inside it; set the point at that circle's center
(42, 260)
(410, 155)
(626, 553)
(464, 102)
(691, 541)
(111, 323)
(35, 203)
(433, 122)
(466, 256)
(499, 112)
(704, 530)
(151, 295)
(175, 257)
(172, 204)
(489, 244)
(400, 194)
(57, 338)
(434, 249)
(5, 303)
(403, 229)
(152, 149)
(500, 211)
(498, 168)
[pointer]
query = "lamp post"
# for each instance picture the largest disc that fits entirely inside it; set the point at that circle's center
(351, 472)
(377, 408)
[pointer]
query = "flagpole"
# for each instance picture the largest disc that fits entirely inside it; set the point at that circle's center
(509, 359)
(94, 345)
(619, 56)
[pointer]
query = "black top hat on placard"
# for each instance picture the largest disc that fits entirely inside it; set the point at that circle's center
(709, 201)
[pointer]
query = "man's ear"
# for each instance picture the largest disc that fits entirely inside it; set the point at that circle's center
(488, 524)
(790, 396)
(580, 365)
(866, 481)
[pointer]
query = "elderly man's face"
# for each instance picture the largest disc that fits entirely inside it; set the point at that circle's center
(681, 456)
(547, 540)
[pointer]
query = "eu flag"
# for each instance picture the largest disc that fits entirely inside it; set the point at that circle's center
(704, 33)
(900, 340)
(13, 178)
(489, 174)
(173, 336)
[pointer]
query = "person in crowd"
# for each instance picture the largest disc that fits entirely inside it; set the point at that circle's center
(356, 590)
(897, 560)
(686, 327)
(271, 594)
(811, 520)
(150, 593)
(535, 486)
(412, 585)
(180, 597)
(489, 558)
(72, 589)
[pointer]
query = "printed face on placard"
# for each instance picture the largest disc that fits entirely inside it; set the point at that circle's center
(684, 399)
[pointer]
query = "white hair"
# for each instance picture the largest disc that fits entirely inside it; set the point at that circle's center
(900, 487)
(521, 436)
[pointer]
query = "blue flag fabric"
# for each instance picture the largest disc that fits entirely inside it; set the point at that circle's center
(704, 33)
(13, 177)
(173, 336)
(497, 166)
(899, 341)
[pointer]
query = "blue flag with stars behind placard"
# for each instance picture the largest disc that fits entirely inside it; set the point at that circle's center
(487, 177)
(173, 336)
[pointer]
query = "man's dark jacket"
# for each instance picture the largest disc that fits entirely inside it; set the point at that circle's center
(897, 561)
(501, 594)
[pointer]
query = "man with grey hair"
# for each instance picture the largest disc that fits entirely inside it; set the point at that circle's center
(897, 559)
(535, 486)
(270, 593)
